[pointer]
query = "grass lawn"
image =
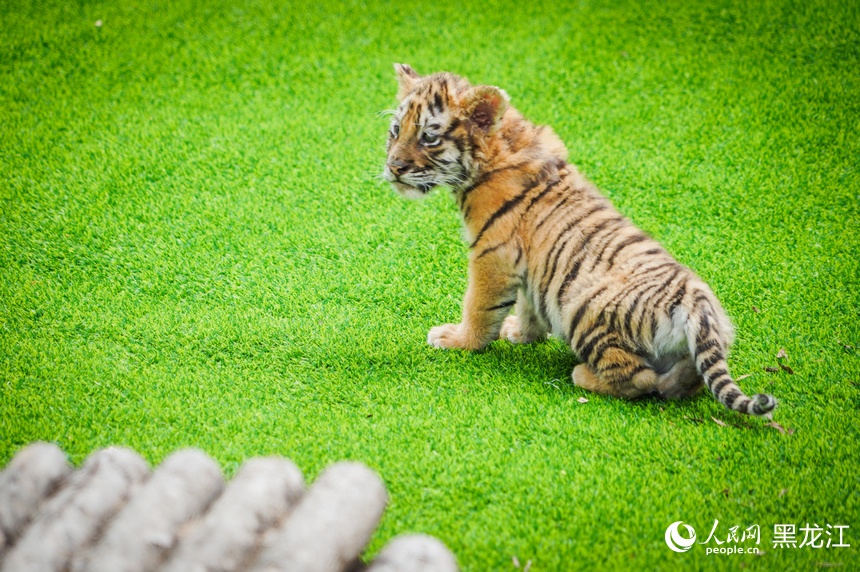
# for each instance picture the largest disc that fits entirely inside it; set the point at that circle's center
(196, 250)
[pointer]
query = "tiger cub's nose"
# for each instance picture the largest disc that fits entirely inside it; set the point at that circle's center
(397, 167)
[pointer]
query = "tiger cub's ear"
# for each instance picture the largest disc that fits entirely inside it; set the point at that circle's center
(484, 106)
(406, 77)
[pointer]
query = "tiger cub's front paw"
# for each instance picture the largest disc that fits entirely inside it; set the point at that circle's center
(445, 337)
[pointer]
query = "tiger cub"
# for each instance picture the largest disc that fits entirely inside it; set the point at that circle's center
(543, 238)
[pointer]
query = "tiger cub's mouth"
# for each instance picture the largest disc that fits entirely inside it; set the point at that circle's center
(418, 191)
(409, 189)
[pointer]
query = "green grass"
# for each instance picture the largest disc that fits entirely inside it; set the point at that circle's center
(195, 250)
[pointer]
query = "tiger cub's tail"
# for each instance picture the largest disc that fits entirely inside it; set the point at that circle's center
(709, 348)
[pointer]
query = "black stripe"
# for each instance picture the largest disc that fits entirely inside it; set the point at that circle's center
(676, 299)
(638, 369)
(568, 279)
(628, 315)
(534, 200)
(704, 328)
(555, 208)
(542, 194)
(661, 289)
(434, 157)
(648, 304)
(647, 287)
(506, 304)
(574, 322)
(659, 299)
(639, 281)
(600, 349)
(701, 298)
(549, 269)
(622, 365)
(548, 277)
(709, 362)
(506, 207)
(705, 346)
(491, 249)
(455, 123)
(703, 302)
(515, 166)
(621, 245)
(612, 221)
(712, 377)
(730, 398)
(722, 385)
(437, 102)
(575, 222)
(586, 349)
(650, 269)
(603, 247)
(598, 323)
(562, 239)
(640, 303)
(586, 238)
(419, 110)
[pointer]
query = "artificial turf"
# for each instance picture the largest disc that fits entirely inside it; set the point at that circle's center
(196, 250)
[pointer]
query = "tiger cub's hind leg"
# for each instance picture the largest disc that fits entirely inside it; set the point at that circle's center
(619, 373)
(682, 380)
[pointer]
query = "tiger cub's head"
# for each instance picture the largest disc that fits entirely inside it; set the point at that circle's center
(438, 130)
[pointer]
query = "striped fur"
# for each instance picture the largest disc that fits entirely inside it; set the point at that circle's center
(544, 240)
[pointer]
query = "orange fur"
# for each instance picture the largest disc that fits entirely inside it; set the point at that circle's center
(542, 238)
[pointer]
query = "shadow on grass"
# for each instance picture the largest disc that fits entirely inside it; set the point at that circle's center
(547, 362)
(550, 363)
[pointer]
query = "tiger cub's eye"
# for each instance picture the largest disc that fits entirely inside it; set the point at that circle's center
(429, 139)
